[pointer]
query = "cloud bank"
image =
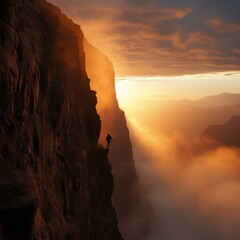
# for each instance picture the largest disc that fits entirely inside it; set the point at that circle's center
(160, 37)
(194, 190)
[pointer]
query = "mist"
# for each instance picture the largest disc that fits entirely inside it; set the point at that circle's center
(194, 190)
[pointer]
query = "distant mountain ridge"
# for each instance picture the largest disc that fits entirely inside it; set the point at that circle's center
(223, 99)
(190, 117)
(227, 134)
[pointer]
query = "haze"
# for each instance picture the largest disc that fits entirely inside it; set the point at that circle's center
(194, 188)
(132, 92)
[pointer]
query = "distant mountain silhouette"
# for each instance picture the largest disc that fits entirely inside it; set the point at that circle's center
(190, 117)
(227, 134)
(223, 99)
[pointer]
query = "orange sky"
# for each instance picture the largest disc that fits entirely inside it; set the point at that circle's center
(160, 37)
(139, 91)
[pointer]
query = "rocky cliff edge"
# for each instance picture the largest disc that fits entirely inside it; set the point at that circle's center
(55, 182)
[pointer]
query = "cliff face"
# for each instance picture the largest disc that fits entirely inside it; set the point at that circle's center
(226, 134)
(55, 183)
(127, 197)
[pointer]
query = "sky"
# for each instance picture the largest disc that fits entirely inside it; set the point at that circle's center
(159, 37)
(136, 91)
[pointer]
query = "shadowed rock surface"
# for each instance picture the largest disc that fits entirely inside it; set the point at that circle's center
(55, 183)
(226, 134)
(133, 212)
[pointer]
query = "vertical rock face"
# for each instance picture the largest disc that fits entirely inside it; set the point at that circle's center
(127, 198)
(55, 183)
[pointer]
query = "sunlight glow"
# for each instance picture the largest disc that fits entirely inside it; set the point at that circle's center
(133, 90)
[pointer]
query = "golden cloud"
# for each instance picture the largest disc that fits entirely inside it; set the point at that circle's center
(160, 40)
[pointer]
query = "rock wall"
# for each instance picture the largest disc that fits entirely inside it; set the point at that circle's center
(132, 210)
(55, 182)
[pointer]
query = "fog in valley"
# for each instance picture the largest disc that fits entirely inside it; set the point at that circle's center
(192, 183)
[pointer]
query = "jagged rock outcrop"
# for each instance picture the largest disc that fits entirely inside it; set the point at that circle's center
(132, 212)
(55, 183)
(227, 134)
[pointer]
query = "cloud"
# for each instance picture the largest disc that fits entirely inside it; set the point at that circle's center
(225, 26)
(162, 37)
(194, 190)
(236, 50)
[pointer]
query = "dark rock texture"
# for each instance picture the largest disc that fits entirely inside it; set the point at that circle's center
(132, 210)
(227, 134)
(55, 183)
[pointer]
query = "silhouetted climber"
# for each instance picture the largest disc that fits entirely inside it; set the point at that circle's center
(108, 139)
